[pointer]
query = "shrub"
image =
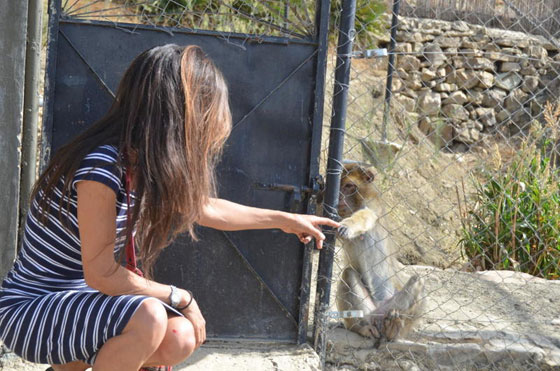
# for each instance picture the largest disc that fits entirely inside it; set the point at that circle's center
(513, 217)
(243, 15)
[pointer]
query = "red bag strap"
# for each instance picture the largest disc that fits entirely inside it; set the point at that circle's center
(130, 249)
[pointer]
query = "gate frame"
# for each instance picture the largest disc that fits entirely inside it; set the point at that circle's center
(320, 39)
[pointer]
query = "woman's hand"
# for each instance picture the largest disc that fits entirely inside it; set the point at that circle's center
(307, 227)
(192, 313)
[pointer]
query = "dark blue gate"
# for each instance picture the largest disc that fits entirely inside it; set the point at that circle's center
(251, 284)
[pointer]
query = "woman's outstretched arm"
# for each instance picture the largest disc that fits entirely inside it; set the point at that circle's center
(230, 216)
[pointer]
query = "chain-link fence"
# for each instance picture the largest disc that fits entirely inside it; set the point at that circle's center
(449, 199)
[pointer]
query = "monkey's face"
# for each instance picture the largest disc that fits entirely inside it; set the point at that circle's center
(356, 189)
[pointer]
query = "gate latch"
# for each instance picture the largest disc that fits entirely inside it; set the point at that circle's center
(296, 192)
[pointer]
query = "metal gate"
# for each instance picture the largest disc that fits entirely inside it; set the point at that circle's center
(251, 284)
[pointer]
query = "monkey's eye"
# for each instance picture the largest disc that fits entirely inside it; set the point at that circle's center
(349, 188)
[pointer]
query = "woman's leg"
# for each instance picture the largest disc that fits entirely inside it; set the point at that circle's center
(150, 338)
(178, 343)
(72, 366)
(140, 338)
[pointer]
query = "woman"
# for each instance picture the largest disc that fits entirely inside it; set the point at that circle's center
(67, 301)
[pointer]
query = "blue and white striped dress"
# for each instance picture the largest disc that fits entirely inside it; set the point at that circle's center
(48, 314)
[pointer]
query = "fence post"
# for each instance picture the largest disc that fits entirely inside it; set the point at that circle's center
(13, 30)
(334, 168)
(31, 108)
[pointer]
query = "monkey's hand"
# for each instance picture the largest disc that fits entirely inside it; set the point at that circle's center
(357, 224)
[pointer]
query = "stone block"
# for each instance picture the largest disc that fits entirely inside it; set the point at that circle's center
(428, 75)
(493, 97)
(445, 87)
(434, 55)
(485, 79)
(456, 97)
(408, 62)
(510, 66)
(448, 42)
(455, 112)
(530, 84)
(429, 104)
(465, 79)
(508, 80)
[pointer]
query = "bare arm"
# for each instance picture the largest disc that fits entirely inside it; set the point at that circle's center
(229, 216)
(96, 219)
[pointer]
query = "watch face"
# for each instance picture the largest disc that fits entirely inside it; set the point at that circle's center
(175, 297)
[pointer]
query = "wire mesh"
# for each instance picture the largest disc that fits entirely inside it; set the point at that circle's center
(463, 186)
(449, 253)
(294, 19)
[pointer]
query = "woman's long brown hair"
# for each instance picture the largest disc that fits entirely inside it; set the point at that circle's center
(171, 117)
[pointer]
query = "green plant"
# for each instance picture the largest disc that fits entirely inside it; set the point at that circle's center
(261, 17)
(513, 217)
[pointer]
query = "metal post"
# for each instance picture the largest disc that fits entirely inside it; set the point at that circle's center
(55, 9)
(13, 27)
(334, 168)
(390, 68)
(321, 35)
(30, 107)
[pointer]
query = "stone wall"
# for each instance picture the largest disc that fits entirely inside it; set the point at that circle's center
(464, 81)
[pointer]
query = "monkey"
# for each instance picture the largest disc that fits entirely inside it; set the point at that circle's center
(371, 281)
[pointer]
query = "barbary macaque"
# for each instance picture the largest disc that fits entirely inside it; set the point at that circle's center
(372, 282)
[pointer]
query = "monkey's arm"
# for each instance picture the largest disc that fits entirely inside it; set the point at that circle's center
(230, 216)
(357, 224)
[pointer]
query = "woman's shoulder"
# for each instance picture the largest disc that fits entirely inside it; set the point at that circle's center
(107, 153)
(103, 165)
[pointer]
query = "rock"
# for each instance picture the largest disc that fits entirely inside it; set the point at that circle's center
(470, 53)
(530, 84)
(466, 135)
(470, 44)
(414, 82)
(510, 66)
(456, 112)
(508, 80)
(441, 73)
(503, 116)
(428, 75)
(465, 79)
(515, 100)
(461, 26)
(445, 87)
(536, 51)
(405, 103)
(529, 70)
(403, 48)
(493, 97)
(429, 104)
(448, 42)
(456, 97)
(408, 63)
(475, 96)
(438, 131)
(486, 79)
(434, 55)
(479, 64)
(486, 116)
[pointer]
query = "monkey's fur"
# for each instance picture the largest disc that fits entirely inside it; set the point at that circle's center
(373, 280)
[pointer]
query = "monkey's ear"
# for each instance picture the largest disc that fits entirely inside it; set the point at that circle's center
(367, 174)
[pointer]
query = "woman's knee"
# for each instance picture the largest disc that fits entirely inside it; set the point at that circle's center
(179, 342)
(149, 321)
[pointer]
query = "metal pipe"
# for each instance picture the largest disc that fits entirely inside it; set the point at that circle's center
(321, 36)
(334, 169)
(390, 68)
(30, 108)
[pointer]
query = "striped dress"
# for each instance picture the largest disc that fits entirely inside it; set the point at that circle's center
(48, 314)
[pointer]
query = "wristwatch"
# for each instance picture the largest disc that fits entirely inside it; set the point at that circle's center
(174, 297)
